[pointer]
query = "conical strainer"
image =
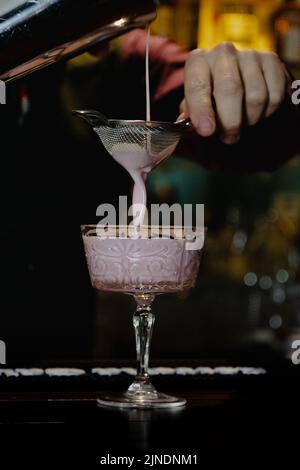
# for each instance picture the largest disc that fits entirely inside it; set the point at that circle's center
(148, 141)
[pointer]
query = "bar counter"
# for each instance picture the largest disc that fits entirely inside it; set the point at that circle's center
(230, 410)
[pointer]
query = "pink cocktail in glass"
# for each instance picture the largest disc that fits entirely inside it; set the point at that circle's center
(144, 267)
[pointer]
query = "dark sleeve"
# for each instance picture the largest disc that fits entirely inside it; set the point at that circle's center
(263, 147)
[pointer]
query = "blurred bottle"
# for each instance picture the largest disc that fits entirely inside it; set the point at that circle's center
(226, 253)
(164, 25)
(271, 262)
(237, 237)
(186, 23)
(272, 240)
(245, 23)
(178, 20)
(286, 26)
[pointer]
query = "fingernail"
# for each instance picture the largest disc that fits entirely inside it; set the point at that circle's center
(205, 126)
(181, 117)
(231, 139)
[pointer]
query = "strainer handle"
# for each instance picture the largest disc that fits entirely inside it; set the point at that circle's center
(94, 118)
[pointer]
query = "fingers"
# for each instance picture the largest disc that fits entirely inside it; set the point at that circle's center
(183, 111)
(228, 91)
(181, 117)
(198, 93)
(183, 107)
(256, 92)
(276, 80)
(228, 87)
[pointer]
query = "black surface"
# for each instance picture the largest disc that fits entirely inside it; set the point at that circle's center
(226, 419)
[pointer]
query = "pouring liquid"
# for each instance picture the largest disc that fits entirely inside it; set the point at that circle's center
(137, 159)
(148, 102)
(139, 175)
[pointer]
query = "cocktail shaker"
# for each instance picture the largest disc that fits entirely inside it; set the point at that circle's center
(37, 33)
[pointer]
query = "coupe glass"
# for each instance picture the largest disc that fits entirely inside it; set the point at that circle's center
(143, 266)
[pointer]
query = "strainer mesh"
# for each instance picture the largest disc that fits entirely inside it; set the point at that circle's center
(157, 141)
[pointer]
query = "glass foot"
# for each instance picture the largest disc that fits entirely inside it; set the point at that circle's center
(127, 400)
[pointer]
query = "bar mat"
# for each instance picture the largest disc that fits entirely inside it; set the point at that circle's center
(114, 371)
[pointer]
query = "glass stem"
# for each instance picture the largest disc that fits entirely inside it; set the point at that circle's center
(143, 322)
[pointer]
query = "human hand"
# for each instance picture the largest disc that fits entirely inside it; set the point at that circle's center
(226, 88)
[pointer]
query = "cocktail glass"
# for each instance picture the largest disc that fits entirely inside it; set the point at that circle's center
(154, 261)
